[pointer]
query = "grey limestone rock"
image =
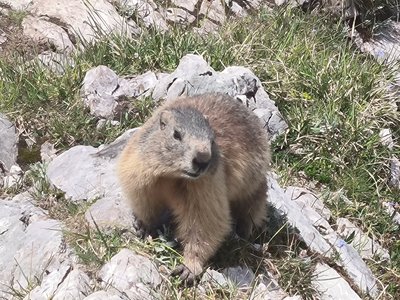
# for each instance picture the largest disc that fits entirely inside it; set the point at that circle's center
(194, 76)
(330, 285)
(86, 20)
(94, 178)
(179, 16)
(394, 179)
(305, 197)
(8, 144)
(103, 295)
(109, 213)
(214, 279)
(97, 91)
(102, 90)
(148, 12)
(319, 236)
(130, 272)
(18, 4)
(241, 276)
(367, 247)
(41, 30)
(93, 175)
(33, 252)
(385, 43)
(64, 283)
(54, 62)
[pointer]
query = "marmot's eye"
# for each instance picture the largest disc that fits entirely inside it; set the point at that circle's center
(177, 135)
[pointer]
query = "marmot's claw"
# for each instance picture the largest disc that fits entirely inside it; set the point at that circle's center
(141, 230)
(184, 274)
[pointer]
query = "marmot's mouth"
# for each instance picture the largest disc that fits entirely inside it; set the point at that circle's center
(192, 174)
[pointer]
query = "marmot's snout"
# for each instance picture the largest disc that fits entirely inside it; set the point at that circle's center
(201, 160)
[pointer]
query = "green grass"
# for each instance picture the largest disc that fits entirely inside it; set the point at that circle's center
(333, 98)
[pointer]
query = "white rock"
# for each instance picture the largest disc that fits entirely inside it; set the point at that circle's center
(127, 270)
(41, 30)
(93, 170)
(386, 138)
(137, 86)
(39, 252)
(367, 247)
(75, 286)
(264, 292)
(97, 91)
(331, 285)
(64, 283)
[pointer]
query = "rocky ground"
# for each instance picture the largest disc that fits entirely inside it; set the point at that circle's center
(65, 231)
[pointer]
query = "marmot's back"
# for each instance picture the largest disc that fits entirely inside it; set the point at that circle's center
(241, 140)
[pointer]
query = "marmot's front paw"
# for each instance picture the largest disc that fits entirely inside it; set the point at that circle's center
(187, 276)
(142, 231)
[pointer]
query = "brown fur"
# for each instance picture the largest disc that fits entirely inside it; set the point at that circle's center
(232, 189)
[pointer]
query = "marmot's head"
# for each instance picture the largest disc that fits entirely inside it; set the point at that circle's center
(184, 143)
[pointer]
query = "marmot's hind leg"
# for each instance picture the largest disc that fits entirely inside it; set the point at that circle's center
(250, 213)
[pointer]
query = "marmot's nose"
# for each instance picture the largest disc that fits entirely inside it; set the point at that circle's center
(202, 160)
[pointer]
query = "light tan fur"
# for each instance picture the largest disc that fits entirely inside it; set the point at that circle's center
(233, 189)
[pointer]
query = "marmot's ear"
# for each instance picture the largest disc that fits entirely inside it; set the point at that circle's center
(165, 119)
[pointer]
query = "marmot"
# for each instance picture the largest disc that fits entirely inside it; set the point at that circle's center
(204, 158)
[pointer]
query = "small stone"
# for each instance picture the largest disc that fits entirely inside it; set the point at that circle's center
(8, 144)
(14, 178)
(127, 270)
(386, 138)
(179, 15)
(241, 276)
(97, 91)
(394, 180)
(214, 278)
(47, 152)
